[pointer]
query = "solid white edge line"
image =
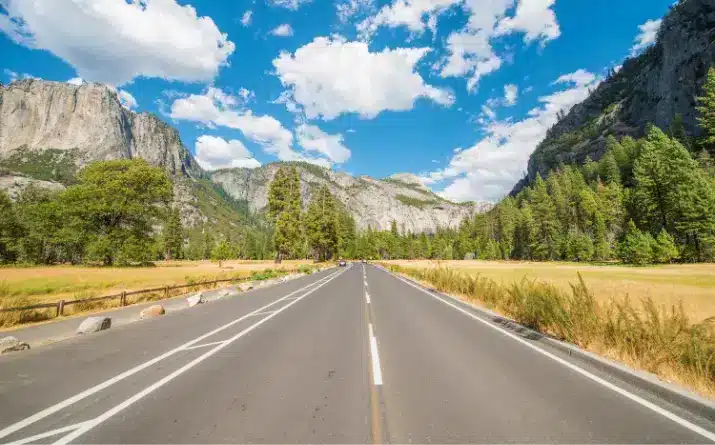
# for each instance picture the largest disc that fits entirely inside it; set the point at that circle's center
(88, 392)
(375, 356)
(138, 396)
(367, 297)
(653, 407)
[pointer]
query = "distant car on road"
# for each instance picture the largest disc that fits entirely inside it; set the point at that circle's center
(342, 263)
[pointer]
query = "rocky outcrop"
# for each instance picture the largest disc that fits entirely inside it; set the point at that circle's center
(653, 88)
(88, 120)
(14, 184)
(374, 203)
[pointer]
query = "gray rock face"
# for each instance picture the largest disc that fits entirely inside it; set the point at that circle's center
(87, 119)
(653, 88)
(374, 203)
(12, 344)
(14, 184)
(94, 324)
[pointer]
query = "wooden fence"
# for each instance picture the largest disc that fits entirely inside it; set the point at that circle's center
(60, 305)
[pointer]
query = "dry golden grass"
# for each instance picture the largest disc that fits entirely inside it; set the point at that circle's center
(644, 333)
(25, 286)
(668, 285)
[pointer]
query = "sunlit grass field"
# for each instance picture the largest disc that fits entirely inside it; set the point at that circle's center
(693, 284)
(24, 286)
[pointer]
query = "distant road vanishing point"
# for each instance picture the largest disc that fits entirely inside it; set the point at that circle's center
(347, 355)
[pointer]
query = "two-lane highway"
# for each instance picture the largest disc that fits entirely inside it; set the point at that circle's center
(352, 355)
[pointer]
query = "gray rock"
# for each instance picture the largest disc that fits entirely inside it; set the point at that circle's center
(12, 344)
(243, 287)
(152, 311)
(195, 299)
(224, 293)
(94, 324)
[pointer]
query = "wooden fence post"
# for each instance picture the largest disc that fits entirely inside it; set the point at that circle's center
(166, 291)
(123, 299)
(60, 307)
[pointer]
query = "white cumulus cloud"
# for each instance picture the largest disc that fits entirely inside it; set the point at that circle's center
(284, 30)
(415, 15)
(331, 76)
(215, 108)
(127, 100)
(511, 93)
(246, 18)
(348, 9)
(314, 139)
(648, 32)
(289, 4)
(535, 19)
(214, 153)
(115, 41)
(76, 81)
(488, 170)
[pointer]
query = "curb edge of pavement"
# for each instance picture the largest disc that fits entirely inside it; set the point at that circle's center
(648, 382)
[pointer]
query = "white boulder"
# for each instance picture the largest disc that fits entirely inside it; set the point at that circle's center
(94, 324)
(152, 311)
(196, 299)
(243, 287)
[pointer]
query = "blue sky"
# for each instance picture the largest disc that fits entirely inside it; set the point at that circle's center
(458, 92)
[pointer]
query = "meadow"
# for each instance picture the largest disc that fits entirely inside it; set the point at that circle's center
(634, 315)
(693, 285)
(22, 286)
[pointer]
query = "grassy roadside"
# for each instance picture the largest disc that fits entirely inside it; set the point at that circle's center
(642, 334)
(28, 286)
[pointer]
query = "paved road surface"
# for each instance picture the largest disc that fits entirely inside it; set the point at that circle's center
(355, 355)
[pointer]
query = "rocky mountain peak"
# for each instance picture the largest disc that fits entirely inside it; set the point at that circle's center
(654, 88)
(86, 122)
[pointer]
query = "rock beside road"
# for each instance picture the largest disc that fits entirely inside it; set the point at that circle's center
(12, 344)
(196, 299)
(152, 311)
(243, 287)
(94, 324)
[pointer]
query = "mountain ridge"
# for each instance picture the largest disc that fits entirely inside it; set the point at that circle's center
(48, 130)
(654, 88)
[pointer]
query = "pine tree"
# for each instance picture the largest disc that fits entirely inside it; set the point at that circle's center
(284, 208)
(664, 249)
(546, 232)
(173, 236)
(677, 131)
(221, 252)
(706, 108)
(637, 247)
(608, 169)
(10, 231)
(507, 221)
(322, 224)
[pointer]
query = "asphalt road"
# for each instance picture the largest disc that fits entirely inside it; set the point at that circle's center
(354, 355)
